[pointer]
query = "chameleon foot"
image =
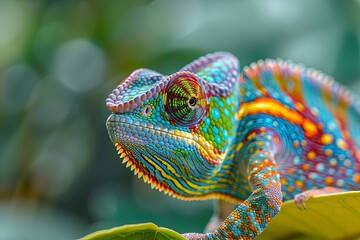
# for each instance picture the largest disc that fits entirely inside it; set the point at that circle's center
(301, 198)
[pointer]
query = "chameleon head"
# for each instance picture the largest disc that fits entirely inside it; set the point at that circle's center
(169, 129)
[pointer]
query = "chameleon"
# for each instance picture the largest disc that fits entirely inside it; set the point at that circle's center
(250, 139)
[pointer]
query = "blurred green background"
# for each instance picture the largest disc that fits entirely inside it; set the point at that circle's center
(60, 177)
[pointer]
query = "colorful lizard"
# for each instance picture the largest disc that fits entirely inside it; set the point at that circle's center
(275, 132)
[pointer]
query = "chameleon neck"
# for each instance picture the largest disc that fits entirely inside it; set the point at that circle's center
(231, 183)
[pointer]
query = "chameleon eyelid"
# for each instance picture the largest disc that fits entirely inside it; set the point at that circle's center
(185, 99)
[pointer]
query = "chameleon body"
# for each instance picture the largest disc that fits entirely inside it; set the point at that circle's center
(274, 132)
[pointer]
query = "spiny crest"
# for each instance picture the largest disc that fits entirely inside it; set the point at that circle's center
(284, 69)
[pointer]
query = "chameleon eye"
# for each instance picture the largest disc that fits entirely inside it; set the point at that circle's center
(192, 102)
(146, 110)
(185, 100)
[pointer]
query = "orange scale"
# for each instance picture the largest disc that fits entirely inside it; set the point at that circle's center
(329, 180)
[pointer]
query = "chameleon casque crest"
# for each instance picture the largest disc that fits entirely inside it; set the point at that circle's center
(274, 132)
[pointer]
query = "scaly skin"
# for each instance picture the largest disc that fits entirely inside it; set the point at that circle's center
(275, 132)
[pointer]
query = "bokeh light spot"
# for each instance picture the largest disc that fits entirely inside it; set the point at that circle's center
(79, 65)
(18, 86)
(103, 202)
(11, 19)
